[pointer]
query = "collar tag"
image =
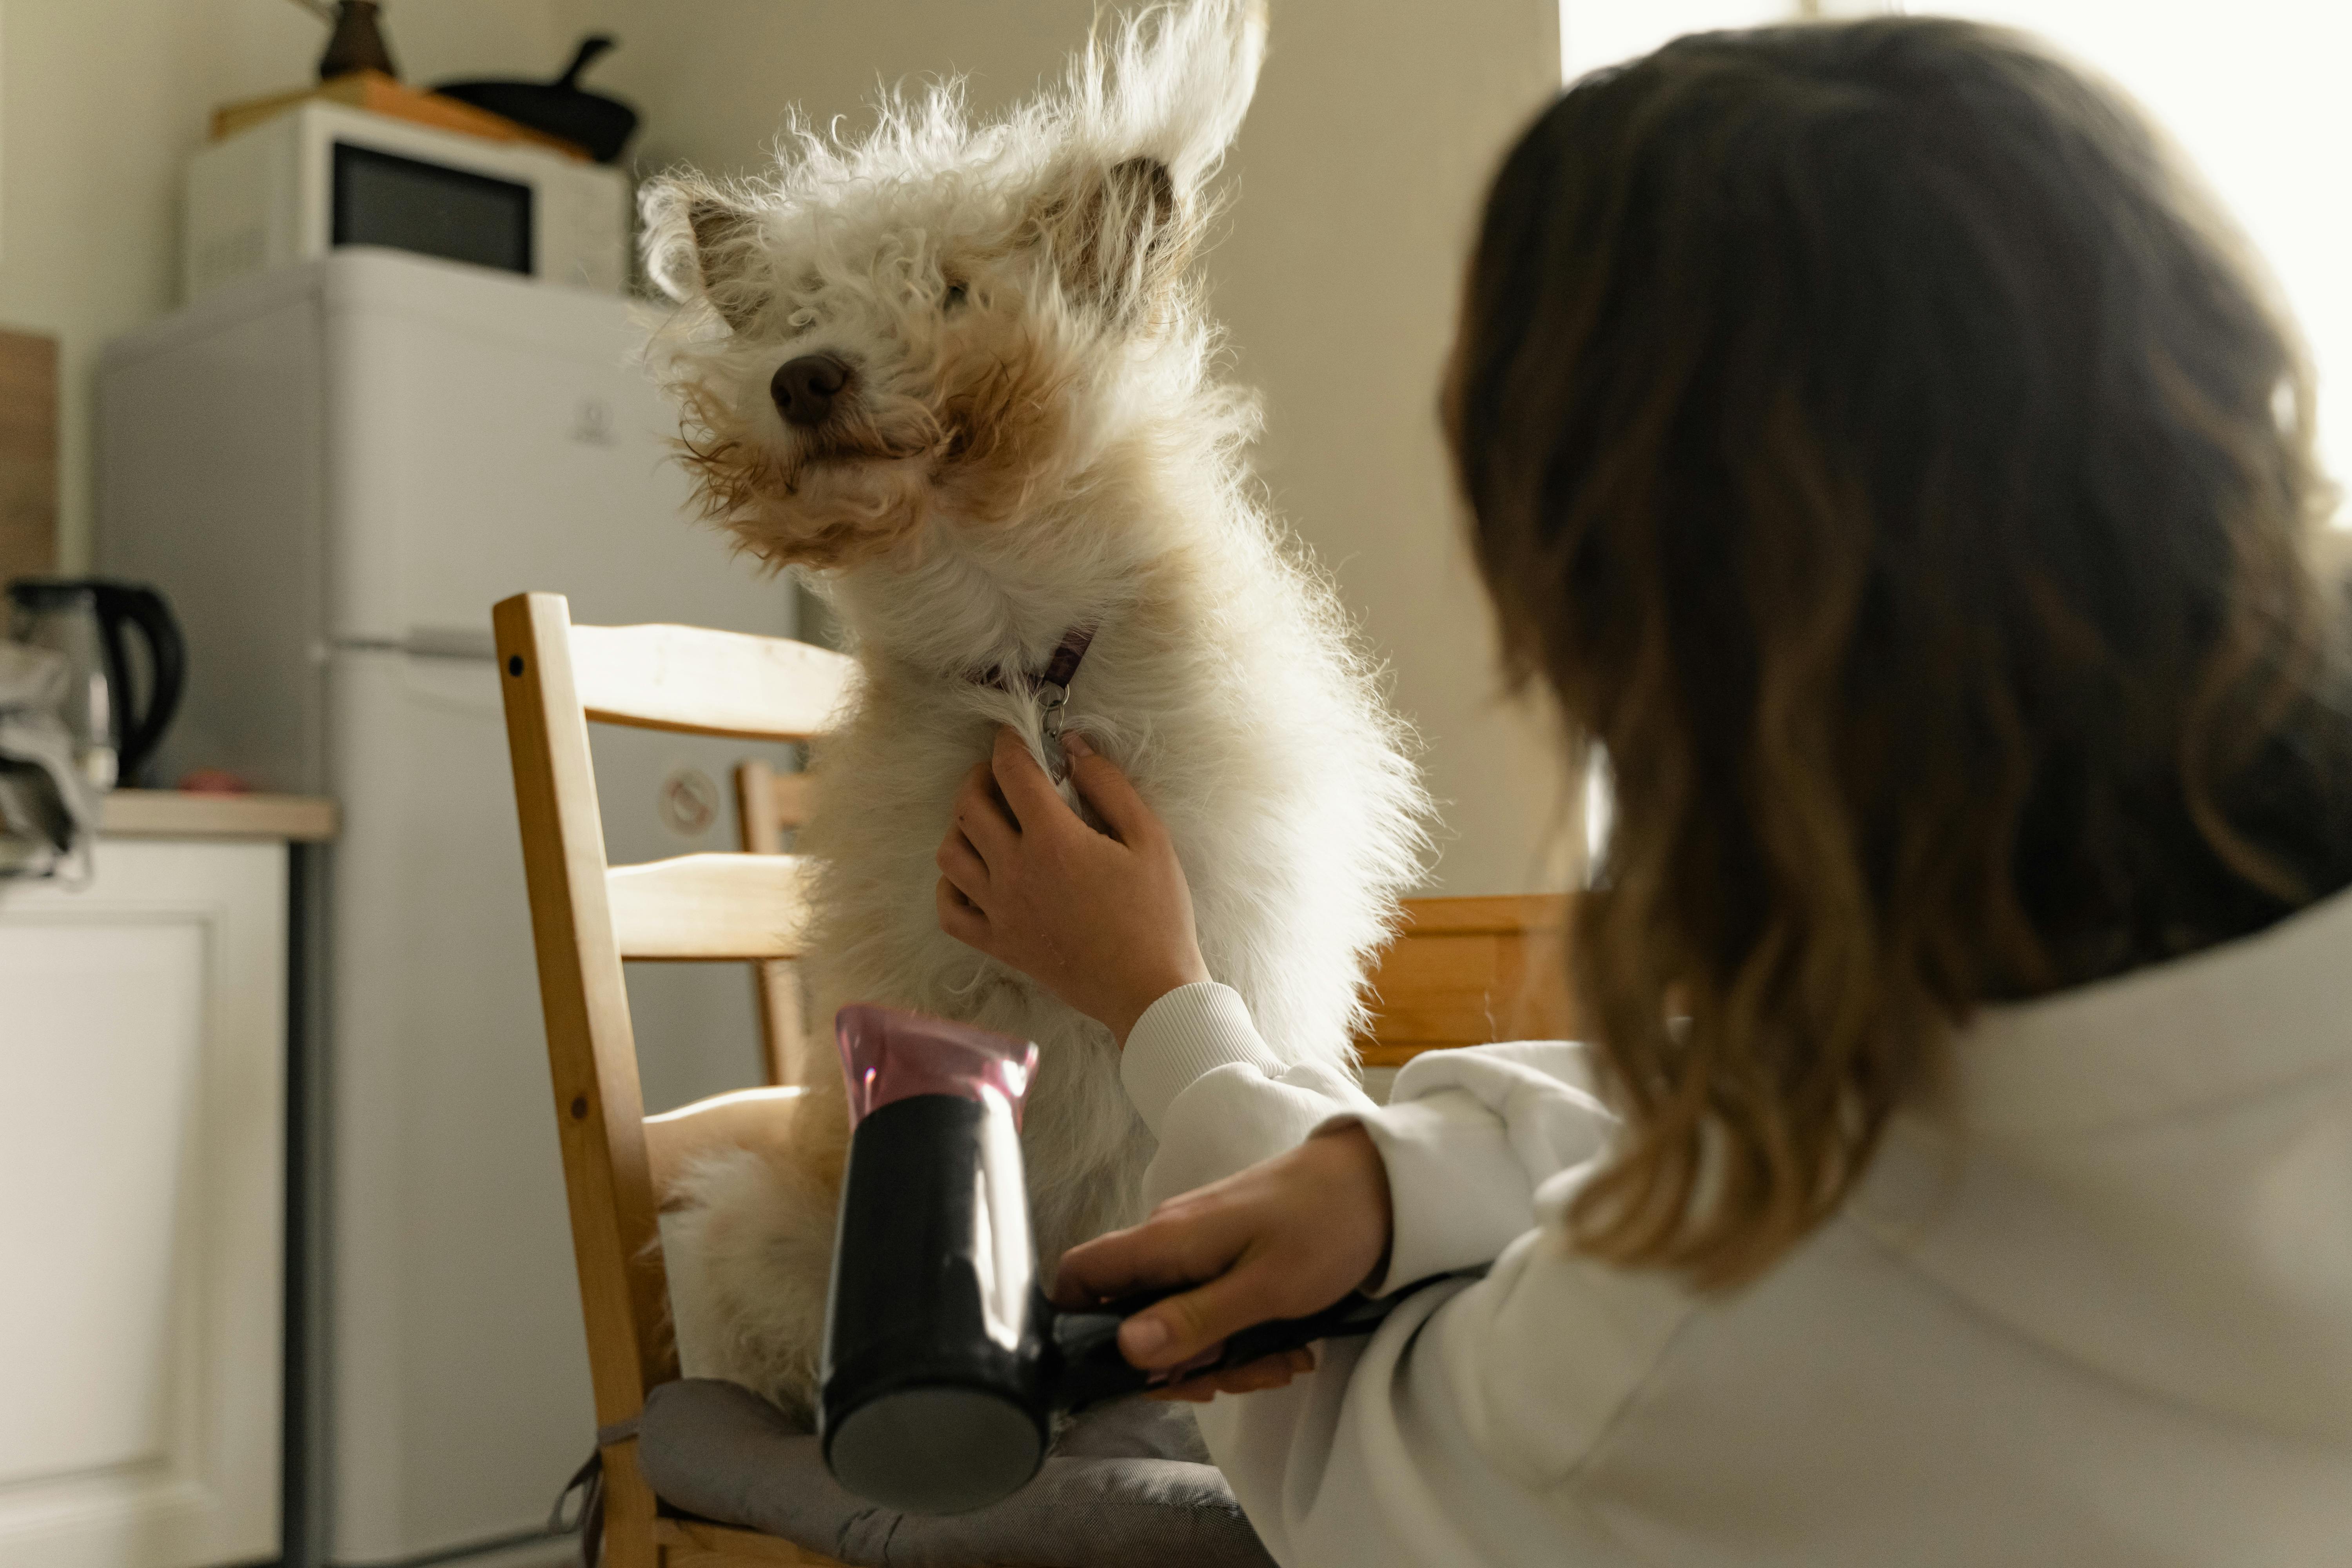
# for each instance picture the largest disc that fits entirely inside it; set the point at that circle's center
(1051, 687)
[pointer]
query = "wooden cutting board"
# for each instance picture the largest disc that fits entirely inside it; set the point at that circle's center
(28, 456)
(380, 94)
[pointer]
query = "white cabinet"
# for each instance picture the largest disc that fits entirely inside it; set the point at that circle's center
(143, 1158)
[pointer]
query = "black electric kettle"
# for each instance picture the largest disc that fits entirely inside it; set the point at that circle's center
(83, 618)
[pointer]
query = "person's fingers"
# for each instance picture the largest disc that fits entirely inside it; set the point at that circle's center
(1103, 787)
(960, 918)
(980, 817)
(1170, 1333)
(962, 866)
(1168, 1248)
(1035, 803)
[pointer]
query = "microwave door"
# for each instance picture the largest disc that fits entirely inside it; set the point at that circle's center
(431, 209)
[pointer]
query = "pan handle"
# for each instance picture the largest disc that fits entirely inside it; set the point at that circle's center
(591, 47)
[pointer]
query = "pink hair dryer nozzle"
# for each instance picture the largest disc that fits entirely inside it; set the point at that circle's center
(888, 1055)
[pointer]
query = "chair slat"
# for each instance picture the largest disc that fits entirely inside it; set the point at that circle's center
(708, 682)
(767, 803)
(1508, 914)
(741, 1119)
(793, 798)
(709, 907)
(1463, 972)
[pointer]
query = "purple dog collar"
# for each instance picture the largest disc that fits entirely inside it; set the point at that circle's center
(1059, 671)
(1050, 686)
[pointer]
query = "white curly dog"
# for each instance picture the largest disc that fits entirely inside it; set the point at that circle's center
(958, 375)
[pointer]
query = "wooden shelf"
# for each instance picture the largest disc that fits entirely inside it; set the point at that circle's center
(172, 814)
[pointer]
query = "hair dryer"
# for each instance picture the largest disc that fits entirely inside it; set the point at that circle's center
(944, 1364)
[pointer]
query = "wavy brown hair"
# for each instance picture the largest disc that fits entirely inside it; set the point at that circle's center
(1882, 450)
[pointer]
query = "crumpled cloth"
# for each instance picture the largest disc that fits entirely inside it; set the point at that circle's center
(1127, 1486)
(48, 809)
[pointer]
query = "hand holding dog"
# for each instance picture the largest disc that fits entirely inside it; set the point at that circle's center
(1102, 920)
(1105, 923)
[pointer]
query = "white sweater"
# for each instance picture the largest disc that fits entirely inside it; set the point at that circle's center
(2093, 1309)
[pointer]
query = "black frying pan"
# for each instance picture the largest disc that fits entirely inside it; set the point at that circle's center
(602, 125)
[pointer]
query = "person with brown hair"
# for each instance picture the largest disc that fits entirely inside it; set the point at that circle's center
(1901, 477)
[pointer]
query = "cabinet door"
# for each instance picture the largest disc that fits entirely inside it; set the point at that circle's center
(142, 1035)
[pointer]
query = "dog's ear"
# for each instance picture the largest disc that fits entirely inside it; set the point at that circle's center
(699, 245)
(1199, 72)
(1154, 108)
(1173, 85)
(1119, 237)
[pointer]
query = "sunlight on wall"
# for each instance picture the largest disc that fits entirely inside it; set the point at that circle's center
(1602, 32)
(2251, 90)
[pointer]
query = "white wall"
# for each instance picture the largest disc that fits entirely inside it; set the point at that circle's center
(1361, 167)
(1359, 171)
(101, 104)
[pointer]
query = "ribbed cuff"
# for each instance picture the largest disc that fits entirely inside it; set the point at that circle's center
(1192, 1030)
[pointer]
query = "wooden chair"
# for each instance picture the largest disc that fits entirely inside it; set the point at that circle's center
(1464, 972)
(769, 805)
(588, 917)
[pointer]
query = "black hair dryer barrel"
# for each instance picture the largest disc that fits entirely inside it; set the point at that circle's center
(943, 1364)
(934, 1397)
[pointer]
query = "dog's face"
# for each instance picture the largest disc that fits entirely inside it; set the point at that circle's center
(938, 325)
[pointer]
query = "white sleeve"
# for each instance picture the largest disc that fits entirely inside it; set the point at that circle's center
(1451, 1435)
(1457, 1432)
(1467, 1135)
(1215, 1095)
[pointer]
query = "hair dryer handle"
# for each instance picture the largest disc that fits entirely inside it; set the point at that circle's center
(1092, 1370)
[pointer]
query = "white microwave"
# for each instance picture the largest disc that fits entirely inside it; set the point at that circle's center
(322, 176)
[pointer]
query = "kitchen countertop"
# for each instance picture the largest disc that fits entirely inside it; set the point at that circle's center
(174, 814)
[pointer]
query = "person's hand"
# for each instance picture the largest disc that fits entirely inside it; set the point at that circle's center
(1102, 920)
(1282, 1239)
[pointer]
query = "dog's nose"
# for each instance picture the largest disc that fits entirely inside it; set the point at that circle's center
(805, 388)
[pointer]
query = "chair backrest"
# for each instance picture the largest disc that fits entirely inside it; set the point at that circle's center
(587, 916)
(769, 805)
(1464, 972)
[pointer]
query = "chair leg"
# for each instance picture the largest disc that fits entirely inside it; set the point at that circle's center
(629, 1511)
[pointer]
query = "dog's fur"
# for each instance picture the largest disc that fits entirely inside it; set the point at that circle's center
(1035, 438)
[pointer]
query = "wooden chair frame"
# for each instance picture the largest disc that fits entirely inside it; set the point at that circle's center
(1463, 971)
(769, 805)
(1468, 971)
(587, 916)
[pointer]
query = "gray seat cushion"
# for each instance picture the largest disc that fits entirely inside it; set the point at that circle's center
(1127, 1486)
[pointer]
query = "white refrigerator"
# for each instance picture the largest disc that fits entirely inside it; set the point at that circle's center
(333, 471)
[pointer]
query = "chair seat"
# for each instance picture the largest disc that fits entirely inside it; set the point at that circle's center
(1126, 1487)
